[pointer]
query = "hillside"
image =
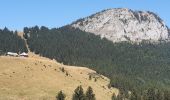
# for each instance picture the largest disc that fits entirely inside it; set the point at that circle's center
(129, 66)
(38, 78)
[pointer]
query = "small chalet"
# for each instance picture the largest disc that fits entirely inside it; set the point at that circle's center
(24, 54)
(12, 54)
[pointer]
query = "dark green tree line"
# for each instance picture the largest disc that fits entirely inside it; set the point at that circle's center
(11, 42)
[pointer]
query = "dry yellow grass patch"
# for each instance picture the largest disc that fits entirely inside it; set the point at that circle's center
(38, 78)
(21, 34)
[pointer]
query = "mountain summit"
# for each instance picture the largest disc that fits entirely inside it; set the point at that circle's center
(123, 24)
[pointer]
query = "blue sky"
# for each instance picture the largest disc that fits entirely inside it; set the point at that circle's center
(16, 14)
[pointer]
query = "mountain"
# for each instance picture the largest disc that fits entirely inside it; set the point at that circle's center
(129, 66)
(123, 24)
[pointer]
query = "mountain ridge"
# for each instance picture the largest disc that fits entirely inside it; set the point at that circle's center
(122, 24)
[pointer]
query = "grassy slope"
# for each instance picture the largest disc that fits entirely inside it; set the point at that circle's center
(37, 78)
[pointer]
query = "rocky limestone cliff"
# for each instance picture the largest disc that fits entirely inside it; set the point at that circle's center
(125, 25)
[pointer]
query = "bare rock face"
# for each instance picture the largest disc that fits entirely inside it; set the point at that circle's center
(125, 25)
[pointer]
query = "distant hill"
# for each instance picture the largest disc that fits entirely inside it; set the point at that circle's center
(38, 78)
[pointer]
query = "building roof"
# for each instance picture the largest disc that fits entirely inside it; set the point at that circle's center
(12, 53)
(23, 54)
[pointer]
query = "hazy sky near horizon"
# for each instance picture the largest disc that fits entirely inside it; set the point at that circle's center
(16, 14)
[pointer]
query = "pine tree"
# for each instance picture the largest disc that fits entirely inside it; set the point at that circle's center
(78, 94)
(133, 95)
(90, 77)
(121, 96)
(151, 94)
(89, 94)
(60, 96)
(114, 96)
(166, 95)
(159, 95)
(26, 31)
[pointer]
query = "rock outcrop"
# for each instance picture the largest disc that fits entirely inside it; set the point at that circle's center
(125, 25)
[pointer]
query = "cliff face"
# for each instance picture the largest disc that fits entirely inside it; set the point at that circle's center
(124, 25)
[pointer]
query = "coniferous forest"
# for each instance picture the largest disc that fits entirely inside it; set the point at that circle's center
(11, 42)
(129, 66)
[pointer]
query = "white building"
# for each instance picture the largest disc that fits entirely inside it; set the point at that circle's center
(24, 54)
(12, 54)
